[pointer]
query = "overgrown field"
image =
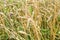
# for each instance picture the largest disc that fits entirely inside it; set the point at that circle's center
(29, 19)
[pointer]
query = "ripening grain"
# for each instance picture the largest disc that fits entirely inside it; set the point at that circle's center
(29, 19)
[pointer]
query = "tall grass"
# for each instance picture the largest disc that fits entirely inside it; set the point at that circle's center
(29, 19)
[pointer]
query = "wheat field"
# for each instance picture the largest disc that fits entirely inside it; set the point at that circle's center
(29, 19)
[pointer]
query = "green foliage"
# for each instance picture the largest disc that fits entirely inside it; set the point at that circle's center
(31, 9)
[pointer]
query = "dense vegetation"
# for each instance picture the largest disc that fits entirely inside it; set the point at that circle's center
(29, 19)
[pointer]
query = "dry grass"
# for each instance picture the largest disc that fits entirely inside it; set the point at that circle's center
(30, 20)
